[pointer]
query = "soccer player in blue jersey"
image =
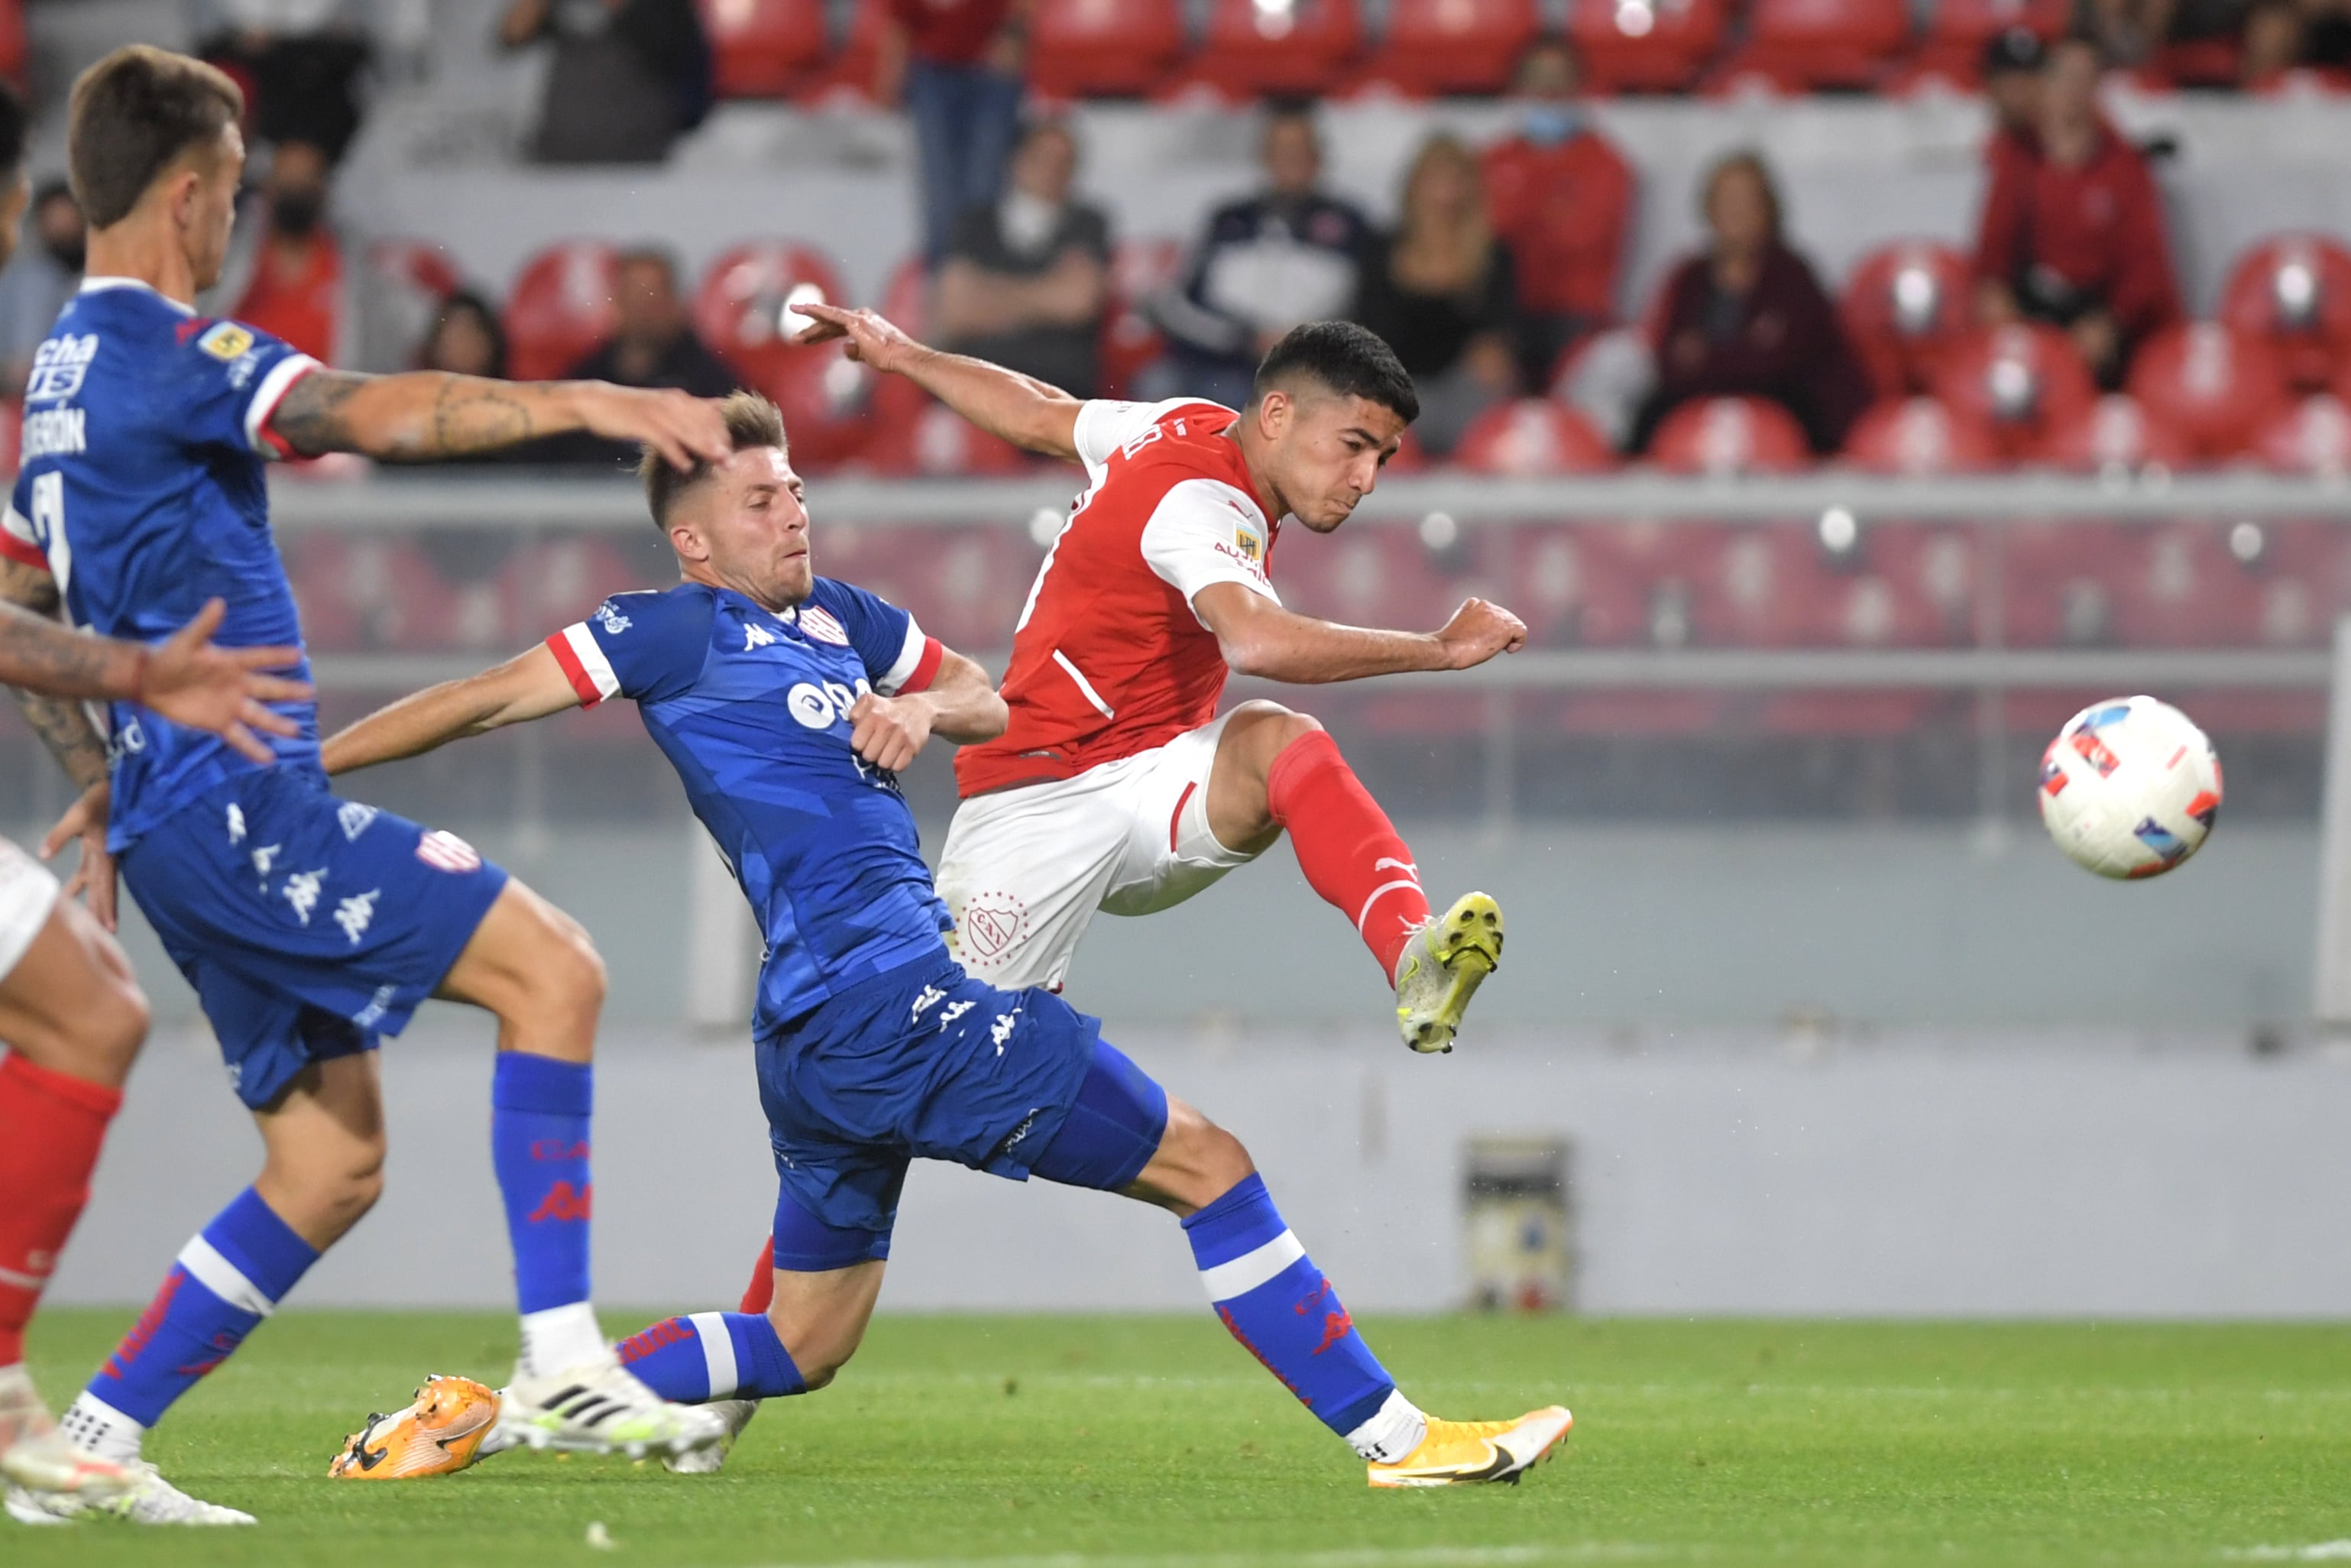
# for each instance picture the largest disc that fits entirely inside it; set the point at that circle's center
(787, 702)
(309, 926)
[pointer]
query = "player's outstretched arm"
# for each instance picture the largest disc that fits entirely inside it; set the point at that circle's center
(527, 687)
(960, 705)
(423, 416)
(60, 722)
(1258, 637)
(1031, 415)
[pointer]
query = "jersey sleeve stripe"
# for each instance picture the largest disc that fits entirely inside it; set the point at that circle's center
(584, 665)
(926, 668)
(265, 399)
(906, 672)
(24, 552)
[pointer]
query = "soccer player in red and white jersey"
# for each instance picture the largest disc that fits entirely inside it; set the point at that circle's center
(1117, 785)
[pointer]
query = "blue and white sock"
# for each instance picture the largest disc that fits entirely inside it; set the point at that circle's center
(713, 1356)
(224, 1281)
(539, 1114)
(1274, 1300)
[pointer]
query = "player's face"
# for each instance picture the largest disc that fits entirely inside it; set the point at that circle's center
(212, 206)
(751, 519)
(1326, 453)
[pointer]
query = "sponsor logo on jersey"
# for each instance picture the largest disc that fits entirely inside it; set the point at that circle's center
(226, 342)
(611, 619)
(58, 367)
(818, 623)
(818, 708)
(1250, 543)
(54, 433)
(447, 852)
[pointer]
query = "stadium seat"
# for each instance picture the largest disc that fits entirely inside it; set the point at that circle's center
(1255, 48)
(743, 311)
(905, 302)
(1730, 435)
(1826, 43)
(936, 444)
(1081, 48)
(2112, 433)
(1905, 304)
(2057, 581)
(763, 48)
(2214, 387)
(2295, 291)
(1454, 46)
(1533, 437)
(14, 51)
(1644, 45)
(2314, 436)
(1919, 435)
(2019, 381)
(1958, 30)
(1139, 268)
(364, 594)
(561, 308)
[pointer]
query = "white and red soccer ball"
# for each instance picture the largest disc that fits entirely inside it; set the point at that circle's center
(2130, 787)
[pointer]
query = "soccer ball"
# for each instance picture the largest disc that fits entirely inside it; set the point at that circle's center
(2129, 788)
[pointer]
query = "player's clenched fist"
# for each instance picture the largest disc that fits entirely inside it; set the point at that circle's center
(888, 731)
(1478, 632)
(863, 335)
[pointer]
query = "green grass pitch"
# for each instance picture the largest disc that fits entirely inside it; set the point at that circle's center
(1070, 1441)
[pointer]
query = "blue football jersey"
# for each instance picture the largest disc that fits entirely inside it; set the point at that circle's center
(140, 490)
(752, 709)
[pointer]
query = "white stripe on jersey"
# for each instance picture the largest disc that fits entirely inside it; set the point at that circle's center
(590, 654)
(902, 668)
(1084, 684)
(266, 399)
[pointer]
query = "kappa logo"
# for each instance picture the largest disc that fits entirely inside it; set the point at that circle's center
(355, 914)
(926, 999)
(447, 852)
(263, 858)
(1002, 1032)
(993, 924)
(302, 892)
(563, 1201)
(353, 818)
(235, 823)
(953, 1011)
(757, 636)
(818, 623)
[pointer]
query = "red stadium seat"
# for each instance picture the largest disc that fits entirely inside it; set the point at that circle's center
(1081, 48)
(2019, 381)
(2314, 436)
(763, 48)
(1533, 437)
(1958, 30)
(1277, 47)
(360, 594)
(1139, 268)
(2295, 291)
(743, 311)
(1455, 46)
(2215, 387)
(2300, 82)
(905, 303)
(1644, 45)
(1827, 43)
(13, 52)
(1905, 304)
(937, 444)
(1919, 435)
(2113, 432)
(561, 308)
(1730, 435)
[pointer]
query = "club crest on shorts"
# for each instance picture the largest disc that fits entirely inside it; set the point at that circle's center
(993, 924)
(447, 852)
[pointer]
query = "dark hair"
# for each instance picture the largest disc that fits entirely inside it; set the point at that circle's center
(13, 126)
(1340, 356)
(648, 256)
(50, 190)
(132, 116)
(1746, 161)
(466, 302)
(751, 422)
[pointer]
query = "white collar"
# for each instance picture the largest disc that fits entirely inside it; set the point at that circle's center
(98, 284)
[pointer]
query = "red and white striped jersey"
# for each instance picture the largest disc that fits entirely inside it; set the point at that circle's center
(1109, 657)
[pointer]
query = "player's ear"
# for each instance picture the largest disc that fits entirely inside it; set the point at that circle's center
(687, 542)
(1274, 412)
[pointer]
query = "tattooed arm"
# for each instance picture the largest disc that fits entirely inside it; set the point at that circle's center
(423, 415)
(59, 720)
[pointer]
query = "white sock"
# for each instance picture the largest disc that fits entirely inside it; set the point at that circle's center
(561, 1338)
(1394, 1430)
(93, 1426)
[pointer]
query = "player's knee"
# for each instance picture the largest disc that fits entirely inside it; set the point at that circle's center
(571, 972)
(1272, 726)
(113, 1025)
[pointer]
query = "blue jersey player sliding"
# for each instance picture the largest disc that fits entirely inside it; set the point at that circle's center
(309, 926)
(787, 702)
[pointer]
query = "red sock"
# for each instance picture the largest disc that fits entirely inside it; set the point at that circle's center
(1348, 848)
(761, 1291)
(50, 1129)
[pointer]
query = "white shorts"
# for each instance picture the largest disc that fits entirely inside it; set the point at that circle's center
(1024, 869)
(28, 893)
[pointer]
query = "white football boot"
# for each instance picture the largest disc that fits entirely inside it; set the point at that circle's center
(737, 1414)
(601, 1408)
(146, 1499)
(35, 1454)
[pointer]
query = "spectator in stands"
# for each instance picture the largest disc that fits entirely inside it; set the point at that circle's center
(2275, 43)
(466, 338)
(2012, 63)
(294, 284)
(1749, 319)
(2325, 33)
(629, 76)
(2073, 233)
(955, 65)
(40, 281)
(1443, 292)
(1293, 253)
(1561, 196)
(299, 60)
(2125, 32)
(1025, 280)
(653, 345)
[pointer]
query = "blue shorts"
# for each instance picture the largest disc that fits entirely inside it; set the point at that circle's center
(309, 926)
(926, 1062)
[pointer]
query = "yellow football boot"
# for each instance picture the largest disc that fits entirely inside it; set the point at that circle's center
(1442, 968)
(1461, 1453)
(441, 1433)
